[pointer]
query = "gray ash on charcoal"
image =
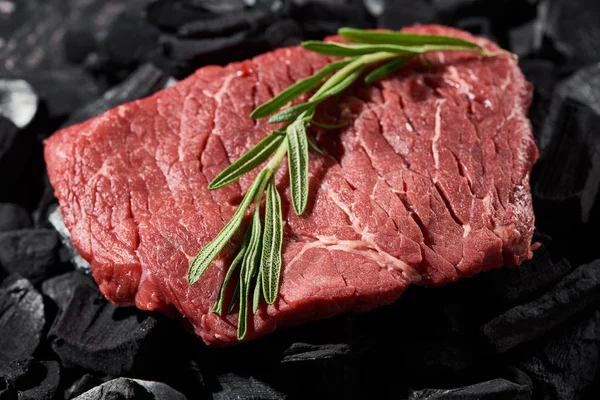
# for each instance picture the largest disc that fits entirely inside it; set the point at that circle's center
(530, 332)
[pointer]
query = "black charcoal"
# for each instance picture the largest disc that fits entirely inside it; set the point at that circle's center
(91, 333)
(144, 81)
(32, 253)
(8, 134)
(130, 40)
(398, 14)
(79, 42)
(18, 101)
(496, 389)
(565, 365)
(63, 90)
(170, 15)
(544, 76)
(234, 386)
(21, 319)
(83, 384)
(55, 218)
(479, 26)
(227, 24)
(125, 388)
(13, 217)
(505, 287)
(567, 177)
(300, 352)
(319, 18)
(60, 288)
(28, 379)
(576, 292)
(573, 26)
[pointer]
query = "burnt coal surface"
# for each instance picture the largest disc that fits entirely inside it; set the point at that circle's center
(529, 332)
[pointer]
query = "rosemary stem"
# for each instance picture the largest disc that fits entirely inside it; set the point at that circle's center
(359, 62)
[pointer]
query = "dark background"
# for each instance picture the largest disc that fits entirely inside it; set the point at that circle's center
(527, 332)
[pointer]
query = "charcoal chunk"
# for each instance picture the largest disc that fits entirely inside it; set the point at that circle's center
(32, 253)
(125, 388)
(18, 101)
(573, 26)
(56, 220)
(566, 364)
(13, 217)
(130, 40)
(21, 319)
(567, 178)
(60, 288)
(82, 385)
(506, 287)
(544, 76)
(8, 134)
(574, 293)
(241, 387)
(144, 81)
(319, 18)
(398, 14)
(94, 334)
(496, 389)
(300, 352)
(78, 43)
(28, 379)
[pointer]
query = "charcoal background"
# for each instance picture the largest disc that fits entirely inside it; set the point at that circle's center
(531, 332)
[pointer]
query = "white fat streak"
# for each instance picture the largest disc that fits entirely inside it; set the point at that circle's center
(409, 127)
(462, 85)
(436, 137)
(466, 230)
(366, 247)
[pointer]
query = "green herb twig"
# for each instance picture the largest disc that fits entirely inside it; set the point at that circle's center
(259, 256)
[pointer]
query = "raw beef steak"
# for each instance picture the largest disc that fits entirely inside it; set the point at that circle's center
(427, 184)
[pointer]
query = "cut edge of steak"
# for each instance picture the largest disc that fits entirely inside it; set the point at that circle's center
(429, 182)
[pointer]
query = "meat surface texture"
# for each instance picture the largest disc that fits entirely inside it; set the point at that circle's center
(428, 183)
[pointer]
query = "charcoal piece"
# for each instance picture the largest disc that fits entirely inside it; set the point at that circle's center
(565, 365)
(94, 334)
(227, 24)
(280, 34)
(567, 177)
(79, 41)
(319, 18)
(170, 15)
(125, 388)
(21, 319)
(82, 385)
(8, 134)
(56, 220)
(28, 379)
(144, 81)
(13, 217)
(573, 26)
(60, 288)
(544, 76)
(18, 101)
(506, 287)
(130, 40)
(232, 385)
(301, 352)
(574, 293)
(32, 253)
(224, 7)
(401, 13)
(479, 26)
(525, 39)
(496, 389)
(63, 90)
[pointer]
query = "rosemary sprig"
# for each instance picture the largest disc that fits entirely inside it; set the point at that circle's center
(259, 256)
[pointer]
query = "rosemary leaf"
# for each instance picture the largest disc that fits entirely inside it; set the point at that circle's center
(218, 307)
(341, 86)
(270, 261)
(296, 90)
(328, 126)
(250, 160)
(206, 256)
(298, 164)
(403, 39)
(386, 69)
(235, 297)
(345, 50)
(256, 297)
(291, 113)
(314, 148)
(249, 264)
